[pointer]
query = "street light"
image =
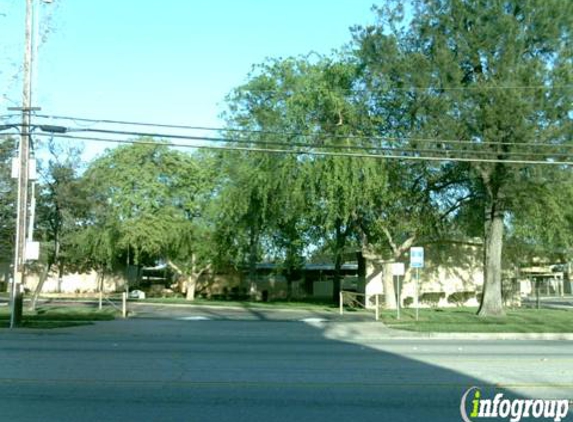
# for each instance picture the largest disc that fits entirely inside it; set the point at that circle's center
(52, 128)
(43, 128)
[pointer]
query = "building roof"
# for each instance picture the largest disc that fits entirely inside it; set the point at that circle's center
(349, 266)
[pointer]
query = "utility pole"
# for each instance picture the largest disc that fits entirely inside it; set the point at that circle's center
(23, 156)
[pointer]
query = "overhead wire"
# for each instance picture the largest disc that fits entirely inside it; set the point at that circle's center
(291, 143)
(289, 133)
(314, 153)
(429, 88)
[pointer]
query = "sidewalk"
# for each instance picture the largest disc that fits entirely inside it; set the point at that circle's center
(377, 331)
(352, 325)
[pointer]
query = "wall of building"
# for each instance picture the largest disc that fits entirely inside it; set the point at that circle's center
(76, 283)
(448, 269)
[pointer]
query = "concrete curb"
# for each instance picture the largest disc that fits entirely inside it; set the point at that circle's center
(504, 336)
(494, 336)
(366, 331)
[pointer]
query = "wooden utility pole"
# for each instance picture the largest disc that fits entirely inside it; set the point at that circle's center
(23, 169)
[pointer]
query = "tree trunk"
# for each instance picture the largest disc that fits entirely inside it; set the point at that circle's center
(51, 261)
(388, 284)
(374, 265)
(191, 285)
(338, 262)
(253, 248)
(289, 275)
(39, 287)
(398, 251)
(336, 284)
(361, 282)
(491, 302)
(191, 277)
(101, 281)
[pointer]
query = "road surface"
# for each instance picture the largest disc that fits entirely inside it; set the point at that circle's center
(259, 370)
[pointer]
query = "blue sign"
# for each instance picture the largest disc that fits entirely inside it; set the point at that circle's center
(417, 257)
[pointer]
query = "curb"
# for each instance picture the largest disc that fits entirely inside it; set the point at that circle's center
(506, 336)
(493, 336)
(369, 332)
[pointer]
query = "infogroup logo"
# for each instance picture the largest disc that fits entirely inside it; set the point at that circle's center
(512, 409)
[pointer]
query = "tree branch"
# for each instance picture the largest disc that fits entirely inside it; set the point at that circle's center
(174, 267)
(456, 206)
(390, 240)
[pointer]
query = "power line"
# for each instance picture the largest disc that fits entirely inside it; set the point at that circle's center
(286, 133)
(9, 116)
(316, 153)
(437, 89)
(316, 145)
(487, 88)
(419, 88)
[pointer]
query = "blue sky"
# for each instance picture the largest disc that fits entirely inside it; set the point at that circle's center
(166, 62)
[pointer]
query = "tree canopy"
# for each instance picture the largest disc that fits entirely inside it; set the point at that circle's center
(496, 76)
(431, 123)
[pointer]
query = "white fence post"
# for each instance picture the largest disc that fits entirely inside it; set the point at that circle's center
(124, 304)
(341, 302)
(377, 296)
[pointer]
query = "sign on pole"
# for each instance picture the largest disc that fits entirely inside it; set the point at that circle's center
(417, 262)
(417, 257)
(32, 251)
(398, 268)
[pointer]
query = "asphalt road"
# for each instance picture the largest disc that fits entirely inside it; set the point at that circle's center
(260, 370)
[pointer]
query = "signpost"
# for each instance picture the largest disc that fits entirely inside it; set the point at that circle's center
(417, 262)
(398, 270)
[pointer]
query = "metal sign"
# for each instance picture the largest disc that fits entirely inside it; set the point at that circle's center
(398, 268)
(417, 257)
(32, 251)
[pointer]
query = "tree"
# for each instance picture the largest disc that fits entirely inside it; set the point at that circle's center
(542, 230)
(146, 206)
(493, 74)
(300, 107)
(192, 251)
(7, 201)
(61, 203)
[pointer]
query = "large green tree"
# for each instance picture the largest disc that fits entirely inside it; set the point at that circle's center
(61, 203)
(542, 229)
(309, 193)
(263, 198)
(146, 206)
(493, 74)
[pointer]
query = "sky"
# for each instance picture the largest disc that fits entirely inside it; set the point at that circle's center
(170, 61)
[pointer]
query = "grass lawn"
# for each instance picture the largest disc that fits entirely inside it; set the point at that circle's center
(315, 305)
(58, 317)
(465, 320)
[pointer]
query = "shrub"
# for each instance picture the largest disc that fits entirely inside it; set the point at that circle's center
(432, 298)
(459, 298)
